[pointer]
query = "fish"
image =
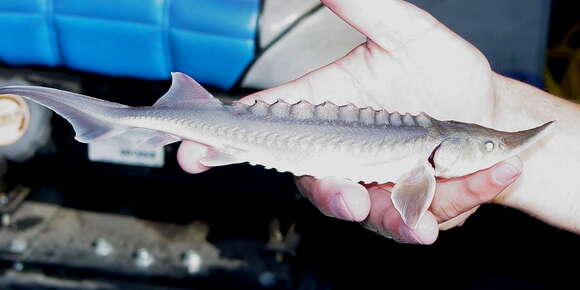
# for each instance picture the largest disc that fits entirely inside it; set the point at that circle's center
(321, 140)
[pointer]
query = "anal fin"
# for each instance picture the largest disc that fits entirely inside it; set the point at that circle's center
(413, 193)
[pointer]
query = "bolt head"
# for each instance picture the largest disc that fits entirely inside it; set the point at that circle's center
(3, 199)
(17, 266)
(267, 279)
(18, 246)
(102, 247)
(192, 261)
(143, 258)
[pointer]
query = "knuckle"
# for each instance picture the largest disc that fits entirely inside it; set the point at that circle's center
(446, 210)
(480, 190)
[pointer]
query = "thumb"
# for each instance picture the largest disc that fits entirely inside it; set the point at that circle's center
(458, 195)
(389, 23)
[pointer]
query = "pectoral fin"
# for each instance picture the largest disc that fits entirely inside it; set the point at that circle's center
(413, 193)
(221, 157)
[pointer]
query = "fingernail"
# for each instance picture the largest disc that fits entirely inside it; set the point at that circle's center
(507, 171)
(339, 208)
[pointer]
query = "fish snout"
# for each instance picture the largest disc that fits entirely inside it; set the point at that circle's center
(518, 141)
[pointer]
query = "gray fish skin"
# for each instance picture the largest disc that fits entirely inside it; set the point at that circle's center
(304, 139)
(323, 140)
(466, 148)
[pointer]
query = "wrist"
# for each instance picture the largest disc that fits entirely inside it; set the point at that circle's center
(549, 187)
(519, 106)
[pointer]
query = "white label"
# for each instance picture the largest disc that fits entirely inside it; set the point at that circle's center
(127, 149)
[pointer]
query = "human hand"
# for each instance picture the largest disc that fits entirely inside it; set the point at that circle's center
(410, 63)
(455, 200)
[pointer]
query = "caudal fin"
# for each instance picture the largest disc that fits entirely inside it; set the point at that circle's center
(86, 114)
(91, 117)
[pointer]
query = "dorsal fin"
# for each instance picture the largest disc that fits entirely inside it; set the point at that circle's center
(184, 92)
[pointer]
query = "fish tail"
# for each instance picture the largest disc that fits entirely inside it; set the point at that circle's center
(86, 114)
(94, 119)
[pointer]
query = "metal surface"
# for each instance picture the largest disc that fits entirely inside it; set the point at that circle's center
(60, 235)
(10, 201)
(17, 280)
(44, 236)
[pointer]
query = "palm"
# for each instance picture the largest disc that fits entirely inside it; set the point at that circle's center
(430, 69)
(449, 80)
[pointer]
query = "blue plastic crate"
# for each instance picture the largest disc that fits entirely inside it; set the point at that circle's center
(212, 41)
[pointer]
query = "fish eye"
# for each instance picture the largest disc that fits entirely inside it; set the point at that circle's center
(489, 146)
